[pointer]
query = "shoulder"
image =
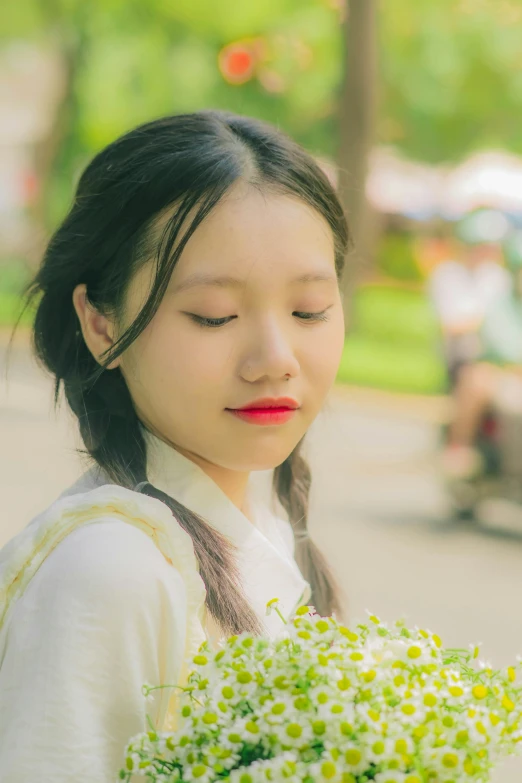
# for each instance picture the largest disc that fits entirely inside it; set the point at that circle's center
(95, 546)
(108, 562)
(105, 587)
(108, 547)
(103, 614)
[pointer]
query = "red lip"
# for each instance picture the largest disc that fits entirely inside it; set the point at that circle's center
(270, 402)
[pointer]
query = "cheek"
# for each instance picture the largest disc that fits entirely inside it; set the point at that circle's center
(323, 351)
(176, 363)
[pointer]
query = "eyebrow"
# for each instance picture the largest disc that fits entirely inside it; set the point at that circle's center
(226, 281)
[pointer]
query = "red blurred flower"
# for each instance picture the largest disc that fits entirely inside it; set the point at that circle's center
(237, 62)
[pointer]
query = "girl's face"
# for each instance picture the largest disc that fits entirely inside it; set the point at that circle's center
(183, 375)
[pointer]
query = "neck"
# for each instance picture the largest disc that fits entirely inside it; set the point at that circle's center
(232, 482)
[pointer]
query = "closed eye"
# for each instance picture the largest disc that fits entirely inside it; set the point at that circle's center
(216, 322)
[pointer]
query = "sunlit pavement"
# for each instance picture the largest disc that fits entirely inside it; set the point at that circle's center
(378, 510)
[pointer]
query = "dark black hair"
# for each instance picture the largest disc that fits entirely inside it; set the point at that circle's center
(189, 161)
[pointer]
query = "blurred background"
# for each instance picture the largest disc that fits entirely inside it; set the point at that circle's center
(413, 111)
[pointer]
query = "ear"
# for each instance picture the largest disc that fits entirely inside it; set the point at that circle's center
(97, 329)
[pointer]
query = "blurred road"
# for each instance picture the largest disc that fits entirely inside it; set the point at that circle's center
(377, 508)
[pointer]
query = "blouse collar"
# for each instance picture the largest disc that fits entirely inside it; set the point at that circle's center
(267, 568)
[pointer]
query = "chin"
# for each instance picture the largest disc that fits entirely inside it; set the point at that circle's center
(267, 462)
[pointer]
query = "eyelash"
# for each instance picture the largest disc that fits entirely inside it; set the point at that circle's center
(213, 323)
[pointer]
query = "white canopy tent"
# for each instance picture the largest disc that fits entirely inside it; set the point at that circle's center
(396, 185)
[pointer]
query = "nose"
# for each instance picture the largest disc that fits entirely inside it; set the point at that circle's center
(271, 353)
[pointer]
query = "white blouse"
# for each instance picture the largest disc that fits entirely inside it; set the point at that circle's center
(101, 594)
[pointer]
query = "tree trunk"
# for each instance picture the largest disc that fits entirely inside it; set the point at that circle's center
(356, 134)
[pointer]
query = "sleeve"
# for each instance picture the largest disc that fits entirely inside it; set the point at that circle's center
(104, 614)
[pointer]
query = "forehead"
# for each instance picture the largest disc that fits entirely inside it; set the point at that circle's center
(261, 240)
(258, 233)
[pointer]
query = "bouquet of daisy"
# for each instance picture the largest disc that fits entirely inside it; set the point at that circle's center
(324, 703)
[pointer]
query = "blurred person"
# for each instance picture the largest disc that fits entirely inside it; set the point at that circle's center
(463, 289)
(496, 378)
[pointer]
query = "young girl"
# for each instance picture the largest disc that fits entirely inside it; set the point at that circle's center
(196, 273)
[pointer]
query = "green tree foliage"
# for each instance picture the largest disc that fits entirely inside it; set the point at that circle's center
(452, 76)
(138, 60)
(450, 70)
